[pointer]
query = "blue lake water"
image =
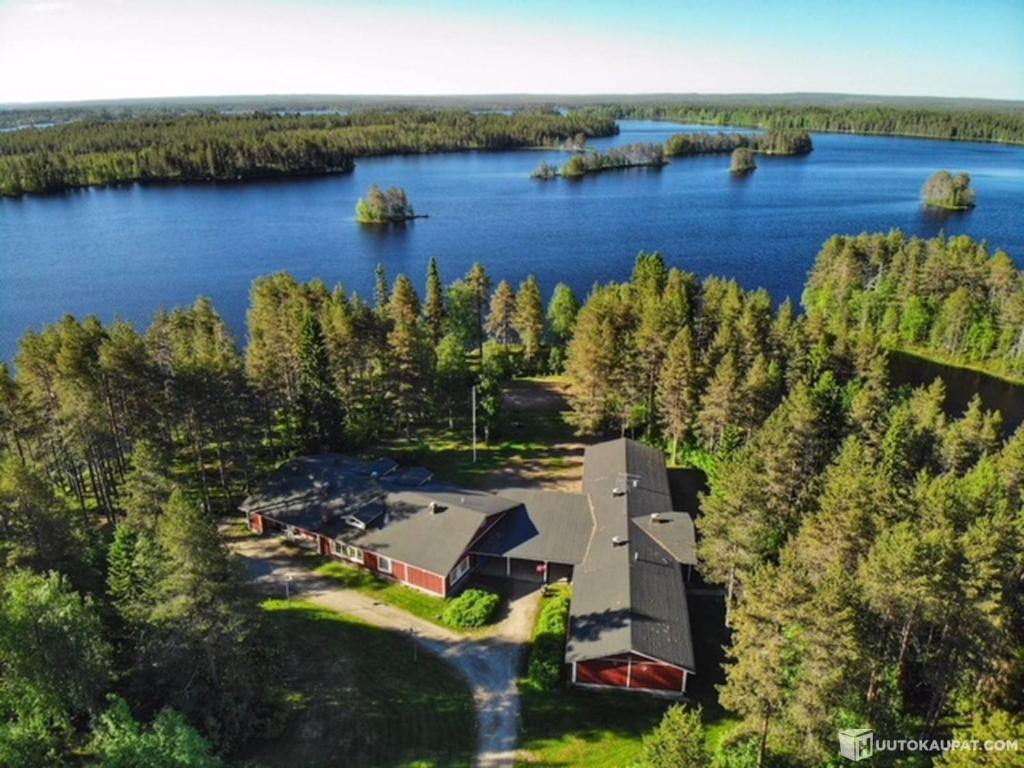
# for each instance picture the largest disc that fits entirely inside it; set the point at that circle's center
(126, 251)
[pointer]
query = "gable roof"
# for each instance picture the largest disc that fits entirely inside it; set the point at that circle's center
(673, 531)
(628, 593)
(549, 526)
(430, 537)
(369, 504)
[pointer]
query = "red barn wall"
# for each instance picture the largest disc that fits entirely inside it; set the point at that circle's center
(636, 672)
(425, 580)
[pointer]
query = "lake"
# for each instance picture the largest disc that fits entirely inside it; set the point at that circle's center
(125, 251)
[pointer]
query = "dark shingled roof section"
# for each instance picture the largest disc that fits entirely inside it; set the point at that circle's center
(674, 532)
(628, 593)
(419, 536)
(550, 526)
(318, 493)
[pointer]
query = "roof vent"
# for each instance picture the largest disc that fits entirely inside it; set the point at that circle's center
(655, 517)
(617, 540)
(617, 491)
(435, 507)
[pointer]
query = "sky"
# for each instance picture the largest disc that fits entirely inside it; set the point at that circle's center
(63, 50)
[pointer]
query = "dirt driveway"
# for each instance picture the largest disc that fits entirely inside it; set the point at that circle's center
(490, 663)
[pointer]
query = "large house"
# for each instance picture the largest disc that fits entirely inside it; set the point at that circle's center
(620, 542)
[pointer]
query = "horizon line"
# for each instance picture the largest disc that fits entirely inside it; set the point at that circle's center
(66, 103)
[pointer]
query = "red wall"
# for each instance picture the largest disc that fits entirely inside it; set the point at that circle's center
(256, 521)
(425, 580)
(659, 677)
(644, 675)
(602, 672)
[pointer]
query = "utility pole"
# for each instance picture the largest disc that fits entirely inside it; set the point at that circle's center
(474, 423)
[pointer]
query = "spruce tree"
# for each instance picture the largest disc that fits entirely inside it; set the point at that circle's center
(320, 415)
(433, 306)
(480, 286)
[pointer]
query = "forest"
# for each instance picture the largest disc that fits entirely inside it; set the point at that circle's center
(637, 155)
(935, 123)
(772, 142)
(209, 147)
(871, 547)
(943, 298)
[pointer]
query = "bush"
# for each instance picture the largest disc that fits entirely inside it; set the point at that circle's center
(473, 608)
(544, 670)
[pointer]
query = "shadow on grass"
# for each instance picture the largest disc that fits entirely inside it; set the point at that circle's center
(358, 695)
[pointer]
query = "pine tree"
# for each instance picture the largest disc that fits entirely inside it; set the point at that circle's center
(529, 320)
(678, 387)
(721, 405)
(501, 319)
(320, 415)
(433, 306)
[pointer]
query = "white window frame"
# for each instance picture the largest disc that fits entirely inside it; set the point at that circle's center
(347, 551)
(461, 568)
(381, 560)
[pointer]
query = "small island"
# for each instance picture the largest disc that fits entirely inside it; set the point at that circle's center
(944, 190)
(545, 171)
(380, 207)
(742, 161)
(628, 156)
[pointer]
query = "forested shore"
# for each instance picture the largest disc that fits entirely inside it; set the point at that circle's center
(871, 547)
(772, 142)
(214, 147)
(948, 124)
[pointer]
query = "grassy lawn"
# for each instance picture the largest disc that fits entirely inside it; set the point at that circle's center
(412, 600)
(362, 696)
(534, 443)
(603, 729)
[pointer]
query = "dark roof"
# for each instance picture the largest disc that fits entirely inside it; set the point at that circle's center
(357, 501)
(673, 532)
(430, 526)
(628, 593)
(549, 526)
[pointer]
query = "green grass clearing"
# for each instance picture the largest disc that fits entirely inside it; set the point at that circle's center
(411, 600)
(533, 442)
(361, 696)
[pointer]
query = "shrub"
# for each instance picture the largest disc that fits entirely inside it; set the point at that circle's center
(546, 657)
(473, 608)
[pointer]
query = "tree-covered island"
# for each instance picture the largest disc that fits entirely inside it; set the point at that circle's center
(944, 190)
(385, 207)
(629, 156)
(545, 171)
(742, 160)
(772, 142)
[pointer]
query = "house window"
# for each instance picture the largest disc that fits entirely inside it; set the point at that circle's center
(384, 564)
(460, 569)
(355, 554)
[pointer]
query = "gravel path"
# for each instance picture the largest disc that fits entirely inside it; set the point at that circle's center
(489, 663)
